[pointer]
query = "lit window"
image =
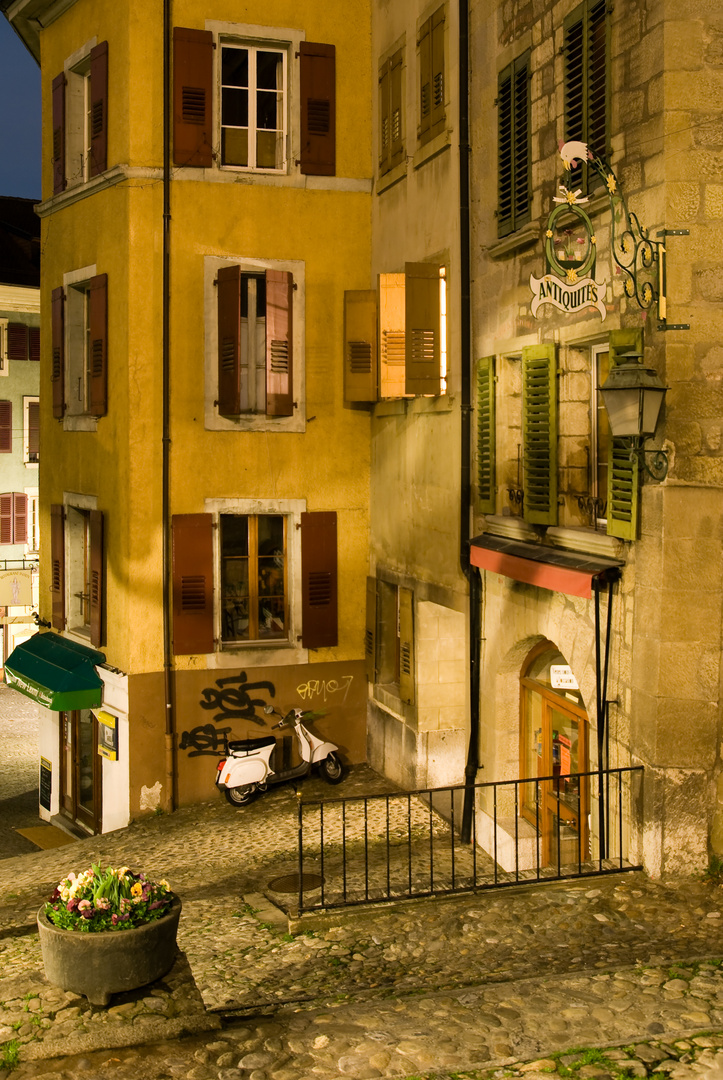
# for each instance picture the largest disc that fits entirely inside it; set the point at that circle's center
(253, 105)
(254, 592)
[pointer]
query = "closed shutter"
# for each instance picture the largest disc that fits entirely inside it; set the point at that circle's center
(575, 93)
(99, 109)
(391, 335)
(17, 341)
(20, 518)
(421, 351)
(6, 427)
(370, 634)
(98, 303)
(385, 123)
(436, 120)
(360, 345)
(539, 432)
(424, 58)
(406, 645)
(57, 565)
(279, 343)
(318, 580)
(6, 518)
(623, 494)
(59, 180)
(228, 285)
(586, 93)
(485, 433)
(58, 357)
(597, 79)
(96, 577)
(318, 109)
(395, 109)
(192, 584)
(192, 97)
(513, 129)
(34, 343)
(505, 175)
(33, 431)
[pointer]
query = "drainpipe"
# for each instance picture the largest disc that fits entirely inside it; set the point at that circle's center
(168, 675)
(472, 575)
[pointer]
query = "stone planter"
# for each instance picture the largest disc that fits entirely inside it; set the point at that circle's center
(108, 962)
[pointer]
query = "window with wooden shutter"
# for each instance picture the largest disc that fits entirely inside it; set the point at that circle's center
(6, 427)
(391, 141)
(485, 437)
(58, 352)
(370, 633)
(513, 142)
(34, 343)
(279, 343)
(192, 97)
(18, 340)
(623, 475)
(58, 106)
(432, 78)
(98, 359)
(422, 322)
(57, 565)
(192, 583)
(96, 582)
(586, 90)
(6, 518)
(360, 345)
(317, 75)
(98, 109)
(319, 580)
(539, 433)
(228, 285)
(31, 433)
(392, 335)
(20, 517)
(406, 645)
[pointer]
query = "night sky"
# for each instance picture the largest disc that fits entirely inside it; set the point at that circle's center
(19, 117)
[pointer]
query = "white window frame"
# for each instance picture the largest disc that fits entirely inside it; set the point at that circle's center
(253, 421)
(33, 511)
(253, 48)
(4, 364)
(77, 416)
(260, 653)
(76, 507)
(77, 115)
(27, 401)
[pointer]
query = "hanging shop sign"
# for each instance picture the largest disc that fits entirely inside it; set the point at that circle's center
(15, 588)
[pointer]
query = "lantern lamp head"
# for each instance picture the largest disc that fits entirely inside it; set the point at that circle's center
(633, 396)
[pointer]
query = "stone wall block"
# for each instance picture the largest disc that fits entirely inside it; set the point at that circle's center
(713, 200)
(686, 812)
(704, 400)
(707, 132)
(683, 50)
(427, 717)
(699, 470)
(687, 672)
(709, 283)
(683, 201)
(692, 564)
(680, 364)
(712, 437)
(679, 281)
(684, 434)
(690, 617)
(702, 165)
(702, 92)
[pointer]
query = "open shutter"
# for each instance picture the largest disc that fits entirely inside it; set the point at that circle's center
(421, 347)
(98, 314)
(59, 180)
(192, 97)
(370, 634)
(360, 345)
(318, 580)
(6, 518)
(384, 119)
(279, 343)
(318, 109)
(96, 577)
(406, 645)
(436, 120)
(395, 109)
(391, 335)
(6, 427)
(228, 299)
(99, 109)
(424, 57)
(486, 442)
(623, 494)
(58, 343)
(17, 341)
(539, 432)
(57, 565)
(34, 343)
(192, 584)
(33, 431)
(20, 518)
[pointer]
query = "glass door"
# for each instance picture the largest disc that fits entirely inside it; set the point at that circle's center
(80, 769)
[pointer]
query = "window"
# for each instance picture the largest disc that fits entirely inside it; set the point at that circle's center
(254, 129)
(410, 340)
(14, 518)
(253, 577)
(80, 344)
(432, 89)
(585, 49)
(33, 519)
(23, 342)
(6, 427)
(513, 143)
(391, 140)
(77, 567)
(80, 121)
(31, 430)
(389, 639)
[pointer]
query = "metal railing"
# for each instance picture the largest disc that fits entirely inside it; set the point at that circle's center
(404, 845)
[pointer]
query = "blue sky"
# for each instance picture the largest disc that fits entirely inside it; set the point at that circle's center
(19, 117)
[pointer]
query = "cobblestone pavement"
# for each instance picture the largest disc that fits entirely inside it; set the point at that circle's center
(474, 982)
(18, 771)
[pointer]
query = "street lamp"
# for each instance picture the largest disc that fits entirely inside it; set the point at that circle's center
(633, 397)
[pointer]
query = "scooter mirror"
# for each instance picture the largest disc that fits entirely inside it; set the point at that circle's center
(268, 709)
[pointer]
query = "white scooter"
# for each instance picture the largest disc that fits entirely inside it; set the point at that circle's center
(246, 768)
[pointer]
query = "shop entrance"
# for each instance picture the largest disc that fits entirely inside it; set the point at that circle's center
(80, 769)
(554, 744)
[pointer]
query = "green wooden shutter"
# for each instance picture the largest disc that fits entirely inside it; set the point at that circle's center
(623, 493)
(539, 432)
(406, 645)
(485, 473)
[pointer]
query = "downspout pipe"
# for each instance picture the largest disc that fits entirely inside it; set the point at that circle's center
(168, 679)
(465, 502)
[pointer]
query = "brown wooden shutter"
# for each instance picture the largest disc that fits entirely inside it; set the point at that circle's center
(192, 584)
(318, 109)
(391, 335)
(96, 577)
(229, 340)
(279, 343)
(6, 427)
(17, 341)
(99, 109)
(406, 645)
(33, 431)
(20, 518)
(192, 97)
(318, 580)
(98, 304)
(385, 124)
(57, 564)
(360, 345)
(436, 120)
(370, 636)
(395, 109)
(34, 343)
(6, 518)
(58, 343)
(59, 180)
(421, 348)
(424, 59)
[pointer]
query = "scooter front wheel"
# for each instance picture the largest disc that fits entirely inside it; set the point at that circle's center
(331, 769)
(240, 796)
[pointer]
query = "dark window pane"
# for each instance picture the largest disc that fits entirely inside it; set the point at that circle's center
(235, 146)
(266, 110)
(271, 617)
(271, 535)
(234, 534)
(235, 108)
(235, 67)
(268, 70)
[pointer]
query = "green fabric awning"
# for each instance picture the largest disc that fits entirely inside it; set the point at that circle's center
(56, 672)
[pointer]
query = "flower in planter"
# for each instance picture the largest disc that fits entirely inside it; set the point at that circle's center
(107, 899)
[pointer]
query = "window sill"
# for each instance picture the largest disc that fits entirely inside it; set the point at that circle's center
(80, 423)
(514, 528)
(31, 464)
(389, 179)
(258, 655)
(525, 237)
(442, 403)
(432, 148)
(587, 541)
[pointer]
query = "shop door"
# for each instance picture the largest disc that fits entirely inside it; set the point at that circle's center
(554, 744)
(80, 769)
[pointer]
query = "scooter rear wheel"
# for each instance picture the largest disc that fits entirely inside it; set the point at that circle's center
(240, 796)
(331, 769)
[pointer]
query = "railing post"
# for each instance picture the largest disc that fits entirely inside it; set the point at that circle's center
(300, 813)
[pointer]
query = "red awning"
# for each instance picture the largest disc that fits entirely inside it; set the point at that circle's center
(570, 572)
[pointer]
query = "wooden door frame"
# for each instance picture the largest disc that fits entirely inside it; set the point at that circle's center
(76, 812)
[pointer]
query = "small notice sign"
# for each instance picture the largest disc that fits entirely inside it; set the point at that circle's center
(562, 678)
(107, 735)
(46, 782)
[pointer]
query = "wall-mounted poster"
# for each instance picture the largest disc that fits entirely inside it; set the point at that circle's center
(107, 735)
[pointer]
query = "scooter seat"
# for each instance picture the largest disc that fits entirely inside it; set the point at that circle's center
(247, 745)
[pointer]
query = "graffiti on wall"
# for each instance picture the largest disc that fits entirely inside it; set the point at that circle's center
(325, 688)
(205, 739)
(232, 699)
